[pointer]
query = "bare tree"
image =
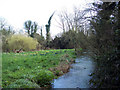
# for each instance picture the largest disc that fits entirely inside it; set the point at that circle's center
(3, 23)
(62, 22)
(72, 21)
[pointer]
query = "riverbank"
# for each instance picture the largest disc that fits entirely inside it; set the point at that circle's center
(38, 67)
(64, 66)
(61, 69)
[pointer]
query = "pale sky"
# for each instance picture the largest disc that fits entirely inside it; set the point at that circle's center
(16, 12)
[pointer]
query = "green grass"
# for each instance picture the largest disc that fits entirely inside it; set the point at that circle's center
(27, 65)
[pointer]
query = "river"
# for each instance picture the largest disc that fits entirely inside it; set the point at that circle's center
(78, 76)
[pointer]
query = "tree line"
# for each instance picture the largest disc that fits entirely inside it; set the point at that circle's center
(73, 32)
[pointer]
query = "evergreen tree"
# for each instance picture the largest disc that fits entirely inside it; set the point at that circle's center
(48, 30)
(106, 41)
(31, 27)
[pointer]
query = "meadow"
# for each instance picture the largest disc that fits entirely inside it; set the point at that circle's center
(31, 69)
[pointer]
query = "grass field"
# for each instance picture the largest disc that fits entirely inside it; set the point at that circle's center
(31, 68)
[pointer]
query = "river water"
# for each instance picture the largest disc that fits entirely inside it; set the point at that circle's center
(78, 76)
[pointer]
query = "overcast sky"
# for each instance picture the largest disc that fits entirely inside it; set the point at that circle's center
(16, 12)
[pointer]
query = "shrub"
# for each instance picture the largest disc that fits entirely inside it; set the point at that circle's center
(21, 41)
(23, 83)
(44, 77)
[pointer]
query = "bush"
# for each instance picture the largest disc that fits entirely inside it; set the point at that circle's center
(23, 83)
(44, 77)
(21, 41)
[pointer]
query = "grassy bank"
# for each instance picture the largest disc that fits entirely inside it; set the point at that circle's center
(32, 69)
